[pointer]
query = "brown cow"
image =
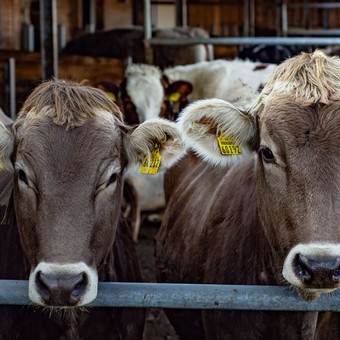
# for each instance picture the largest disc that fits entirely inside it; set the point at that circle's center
(266, 212)
(128, 42)
(69, 148)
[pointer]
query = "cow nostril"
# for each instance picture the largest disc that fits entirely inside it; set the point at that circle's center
(61, 290)
(43, 287)
(80, 286)
(302, 269)
(317, 271)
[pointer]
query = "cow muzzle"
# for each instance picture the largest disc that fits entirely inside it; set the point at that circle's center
(66, 285)
(313, 268)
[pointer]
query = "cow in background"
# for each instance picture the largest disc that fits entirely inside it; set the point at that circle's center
(69, 149)
(262, 206)
(144, 194)
(128, 43)
(171, 55)
(146, 92)
(223, 79)
(275, 54)
(232, 80)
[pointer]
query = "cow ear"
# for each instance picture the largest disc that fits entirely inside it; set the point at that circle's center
(218, 131)
(154, 141)
(6, 147)
(178, 90)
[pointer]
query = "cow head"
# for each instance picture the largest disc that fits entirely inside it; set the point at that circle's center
(146, 94)
(175, 97)
(293, 130)
(69, 148)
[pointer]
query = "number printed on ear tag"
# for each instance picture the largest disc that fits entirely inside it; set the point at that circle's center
(227, 145)
(151, 165)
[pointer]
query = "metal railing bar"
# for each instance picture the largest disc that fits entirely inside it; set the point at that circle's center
(248, 41)
(188, 296)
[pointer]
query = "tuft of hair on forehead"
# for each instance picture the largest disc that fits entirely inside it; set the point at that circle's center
(143, 70)
(67, 102)
(308, 78)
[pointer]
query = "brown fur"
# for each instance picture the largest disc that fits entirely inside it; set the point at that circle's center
(237, 224)
(68, 138)
(67, 102)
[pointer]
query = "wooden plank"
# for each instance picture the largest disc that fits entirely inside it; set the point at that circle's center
(76, 68)
(10, 21)
(70, 67)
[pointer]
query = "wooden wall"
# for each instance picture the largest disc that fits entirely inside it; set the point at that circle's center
(117, 13)
(10, 23)
(14, 13)
(220, 20)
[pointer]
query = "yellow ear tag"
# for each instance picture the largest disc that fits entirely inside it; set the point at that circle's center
(227, 145)
(175, 97)
(1, 167)
(112, 96)
(151, 166)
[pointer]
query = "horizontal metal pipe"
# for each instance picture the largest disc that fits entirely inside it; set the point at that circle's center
(327, 5)
(311, 32)
(248, 41)
(188, 296)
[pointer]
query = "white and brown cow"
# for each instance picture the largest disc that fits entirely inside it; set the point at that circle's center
(69, 149)
(266, 212)
(230, 80)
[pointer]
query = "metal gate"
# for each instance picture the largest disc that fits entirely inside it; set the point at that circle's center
(188, 296)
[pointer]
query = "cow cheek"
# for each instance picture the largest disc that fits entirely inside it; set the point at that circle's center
(25, 210)
(107, 216)
(273, 210)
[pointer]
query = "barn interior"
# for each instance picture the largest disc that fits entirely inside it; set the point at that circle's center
(233, 27)
(34, 35)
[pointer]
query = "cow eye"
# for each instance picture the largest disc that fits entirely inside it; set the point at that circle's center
(22, 176)
(267, 155)
(112, 179)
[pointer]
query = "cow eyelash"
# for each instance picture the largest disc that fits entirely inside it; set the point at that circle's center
(267, 155)
(112, 179)
(22, 176)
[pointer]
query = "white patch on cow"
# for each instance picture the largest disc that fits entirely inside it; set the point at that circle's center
(230, 80)
(313, 250)
(64, 270)
(149, 190)
(201, 123)
(145, 90)
(221, 78)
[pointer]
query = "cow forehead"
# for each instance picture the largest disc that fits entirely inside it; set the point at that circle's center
(308, 78)
(314, 128)
(283, 112)
(99, 137)
(100, 120)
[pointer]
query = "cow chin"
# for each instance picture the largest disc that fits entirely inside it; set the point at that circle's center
(62, 285)
(313, 269)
